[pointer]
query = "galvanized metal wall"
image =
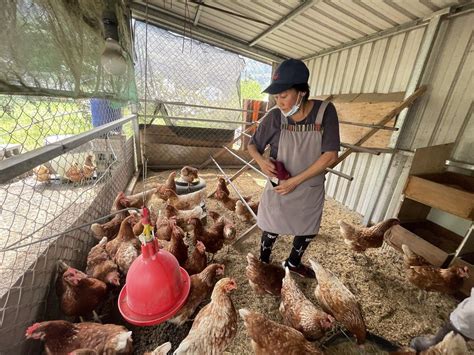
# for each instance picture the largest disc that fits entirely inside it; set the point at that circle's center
(385, 66)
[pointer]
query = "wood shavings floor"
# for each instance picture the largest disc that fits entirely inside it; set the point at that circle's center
(389, 303)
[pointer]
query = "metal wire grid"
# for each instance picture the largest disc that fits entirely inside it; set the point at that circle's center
(35, 211)
(194, 97)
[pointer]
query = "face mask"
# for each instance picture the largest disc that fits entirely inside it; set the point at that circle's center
(294, 109)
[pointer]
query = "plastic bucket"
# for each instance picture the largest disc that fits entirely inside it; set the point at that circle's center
(103, 112)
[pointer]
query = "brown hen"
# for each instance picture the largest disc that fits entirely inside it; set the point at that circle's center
(213, 237)
(230, 232)
(189, 174)
(188, 201)
(201, 288)
(264, 278)
(89, 166)
(271, 338)
(125, 234)
(197, 261)
(74, 173)
(101, 266)
(300, 313)
(177, 247)
(62, 337)
(78, 294)
(412, 259)
(338, 301)
(215, 326)
(242, 211)
(432, 278)
(108, 229)
(182, 217)
(361, 238)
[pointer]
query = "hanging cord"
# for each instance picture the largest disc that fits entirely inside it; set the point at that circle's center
(145, 157)
(187, 17)
(184, 24)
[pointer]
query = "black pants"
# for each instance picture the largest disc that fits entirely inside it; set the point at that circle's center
(300, 243)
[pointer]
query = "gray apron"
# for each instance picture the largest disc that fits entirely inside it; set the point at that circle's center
(300, 211)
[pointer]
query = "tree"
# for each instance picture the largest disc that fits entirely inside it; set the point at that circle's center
(251, 89)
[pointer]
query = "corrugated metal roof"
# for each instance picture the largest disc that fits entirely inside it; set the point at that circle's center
(322, 25)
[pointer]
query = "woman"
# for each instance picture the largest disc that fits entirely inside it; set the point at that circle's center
(294, 130)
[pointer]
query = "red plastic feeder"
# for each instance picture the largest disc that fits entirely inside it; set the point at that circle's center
(156, 287)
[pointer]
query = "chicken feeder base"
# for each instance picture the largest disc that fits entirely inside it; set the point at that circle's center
(153, 319)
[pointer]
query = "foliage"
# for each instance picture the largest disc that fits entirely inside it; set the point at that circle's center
(251, 89)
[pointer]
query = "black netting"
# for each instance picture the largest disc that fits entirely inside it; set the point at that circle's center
(50, 47)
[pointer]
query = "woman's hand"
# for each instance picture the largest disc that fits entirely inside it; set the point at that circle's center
(267, 166)
(286, 186)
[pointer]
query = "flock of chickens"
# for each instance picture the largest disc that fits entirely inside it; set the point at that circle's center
(215, 325)
(75, 173)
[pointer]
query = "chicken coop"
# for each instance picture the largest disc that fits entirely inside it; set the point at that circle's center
(104, 101)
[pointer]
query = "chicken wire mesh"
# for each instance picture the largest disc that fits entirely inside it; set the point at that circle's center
(193, 97)
(42, 209)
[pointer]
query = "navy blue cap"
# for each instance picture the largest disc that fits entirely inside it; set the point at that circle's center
(289, 73)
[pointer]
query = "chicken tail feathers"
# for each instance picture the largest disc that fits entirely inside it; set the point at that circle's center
(244, 313)
(96, 228)
(407, 251)
(62, 266)
(162, 349)
(122, 340)
(347, 230)
(318, 269)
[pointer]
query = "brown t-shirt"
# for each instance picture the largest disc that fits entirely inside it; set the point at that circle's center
(268, 132)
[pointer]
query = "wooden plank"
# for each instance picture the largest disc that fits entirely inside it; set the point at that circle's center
(397, 235)
(435, 234)
(222, 150)
(367, 98)
(189, 136)
(178, 155)
(389, 116)
(430, 160)
(364, 113)
(443, 197)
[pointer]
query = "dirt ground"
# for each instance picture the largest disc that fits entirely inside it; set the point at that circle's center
(389, 303)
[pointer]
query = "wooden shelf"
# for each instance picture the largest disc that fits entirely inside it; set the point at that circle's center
(398, 235)
(447, 191)
(433, 233)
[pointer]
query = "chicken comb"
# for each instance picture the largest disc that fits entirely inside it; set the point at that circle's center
(32, 328)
